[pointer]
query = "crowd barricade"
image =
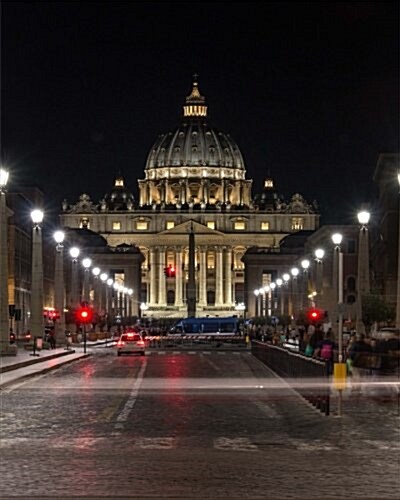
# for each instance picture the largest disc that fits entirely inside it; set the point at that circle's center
(308, 376)
(175, 340)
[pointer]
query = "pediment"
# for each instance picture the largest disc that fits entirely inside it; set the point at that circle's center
(187, 226)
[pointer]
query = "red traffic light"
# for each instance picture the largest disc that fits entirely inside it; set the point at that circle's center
(170, 272)
(84, 315)
(314, 315)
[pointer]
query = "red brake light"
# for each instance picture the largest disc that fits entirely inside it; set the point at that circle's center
(140, 342)
(120, 343)
(130, 334)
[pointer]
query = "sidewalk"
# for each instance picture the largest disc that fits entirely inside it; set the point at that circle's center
(25, 364)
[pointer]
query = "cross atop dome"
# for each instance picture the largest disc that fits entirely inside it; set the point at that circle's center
(195, 102)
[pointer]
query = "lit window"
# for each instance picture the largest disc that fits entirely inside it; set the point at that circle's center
(211, 224)
(239, 225)
(84, 223)
(265, 226)
(116, 226)
(297, 223)
(170, 224)
(142, 225)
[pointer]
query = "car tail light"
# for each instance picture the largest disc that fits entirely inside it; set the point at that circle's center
(140, 342)
(120, 343)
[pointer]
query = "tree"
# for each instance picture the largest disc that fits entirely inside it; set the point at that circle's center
(376, 309)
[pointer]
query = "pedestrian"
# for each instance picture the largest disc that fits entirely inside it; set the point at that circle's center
(358, 353)
(52, 338)
(325, 349)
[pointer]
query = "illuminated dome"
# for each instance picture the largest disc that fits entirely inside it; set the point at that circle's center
(196, 148)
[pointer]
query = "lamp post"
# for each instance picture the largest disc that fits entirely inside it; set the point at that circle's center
(5, 347)
(339, 367)
(362, 268)
(319, 255)
(294, 272)
(96, 271)
(86, 263)
(256, 293)
(74, 293)
(130, 298)
(279, 283)
(37, 278)
(103, 295)
(110, 312)
(338, 267)
(398, 264)
(285, 293)
(305, 264)
(272, 287)
(59, 287)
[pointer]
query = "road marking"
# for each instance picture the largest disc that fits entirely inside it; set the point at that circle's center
(206, 352)
(124, 414)
(192, 352)
(160, 353)
(175, 353)
(158, 443)
(236, 444)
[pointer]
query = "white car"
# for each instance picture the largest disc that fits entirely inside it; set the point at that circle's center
(129, 343)
(386, 333)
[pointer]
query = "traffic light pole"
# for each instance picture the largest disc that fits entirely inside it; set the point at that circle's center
(84, 338)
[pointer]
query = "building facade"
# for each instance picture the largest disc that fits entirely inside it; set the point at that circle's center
(194, 182)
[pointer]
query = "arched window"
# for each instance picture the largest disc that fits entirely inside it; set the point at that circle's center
(351, 284)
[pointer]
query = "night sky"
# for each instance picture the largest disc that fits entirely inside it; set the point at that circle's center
(308, 90)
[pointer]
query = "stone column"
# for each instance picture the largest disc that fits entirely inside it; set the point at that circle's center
(162, 286)
(153, 277)
(203, 276)
(228, 276)
(178, 278)
(219, 298)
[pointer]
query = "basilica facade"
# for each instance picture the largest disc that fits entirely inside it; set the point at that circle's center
(194, 183)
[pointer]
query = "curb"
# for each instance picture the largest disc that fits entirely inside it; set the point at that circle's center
(28, 362)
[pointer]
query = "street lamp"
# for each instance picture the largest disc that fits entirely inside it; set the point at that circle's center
(305, 264)
(319, 255)
(294, 299)
(96, 287)
(5, 347)
(59, 286)
(338, 280)
(398, 263)
(285, 293)
(362, 268)
(130, 308)
(86, 263)
(257, 293)
(37, 326)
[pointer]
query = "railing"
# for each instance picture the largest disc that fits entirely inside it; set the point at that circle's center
(308, 376)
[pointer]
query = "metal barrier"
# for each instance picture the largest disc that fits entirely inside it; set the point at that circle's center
(190, 340)
(311, 376)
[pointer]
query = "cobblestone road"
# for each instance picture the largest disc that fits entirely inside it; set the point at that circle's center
(188, 425)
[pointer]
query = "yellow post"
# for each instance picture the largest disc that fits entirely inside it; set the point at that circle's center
(339, 376)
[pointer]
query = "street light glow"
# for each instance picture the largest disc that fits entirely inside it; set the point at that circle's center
(272, 286)
(59, 237)
(363, 217)
(305, 264)
(96, 271)
(37, 216)
(319, 253)
(86, 263)
(74, 252)
(3, 178)
(279, 282)
(294, 271)
(286, 277)
(337, 238)
(103, 276)
(110, 281)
